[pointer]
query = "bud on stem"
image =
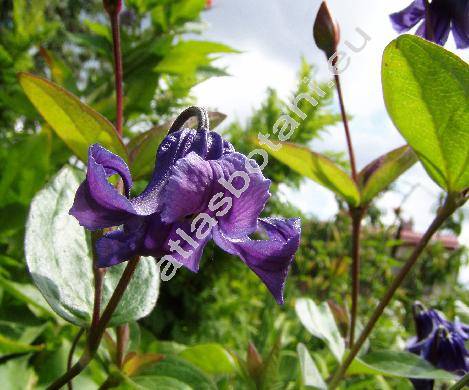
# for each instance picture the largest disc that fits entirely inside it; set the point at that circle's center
(112, 7)
(326, 31)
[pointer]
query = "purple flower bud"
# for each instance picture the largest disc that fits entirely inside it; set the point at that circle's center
(112, 7)
(326, 31)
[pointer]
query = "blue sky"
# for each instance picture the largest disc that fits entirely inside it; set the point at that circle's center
(273, 35)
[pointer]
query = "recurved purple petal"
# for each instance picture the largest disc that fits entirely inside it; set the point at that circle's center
(187, 240)
(188, 189)
(461, 24)
(97, 203)
(270, 259)
(407, 18)
(243, 182)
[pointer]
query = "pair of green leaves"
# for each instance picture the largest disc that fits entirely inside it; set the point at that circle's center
(319, 321)
(59, 259)
(373, 179)
(426, 90)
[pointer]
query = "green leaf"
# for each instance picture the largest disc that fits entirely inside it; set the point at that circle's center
(59, 260)
(16, 375)
(142, 150)
(152, 382)
(187, 56)
(319, 321)
(183, 371)
(426, 91)
(317, 168)
(212, 359)
(270, 368)
(380, 173)
(9, 346)
(77, 124)
(397, 364)
(309, 372)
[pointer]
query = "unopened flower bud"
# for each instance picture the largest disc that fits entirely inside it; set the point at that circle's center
(326, 31)
(112, 7)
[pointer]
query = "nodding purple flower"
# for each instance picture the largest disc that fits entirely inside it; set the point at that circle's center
(440, 342)
(201, 189)
(444, 15)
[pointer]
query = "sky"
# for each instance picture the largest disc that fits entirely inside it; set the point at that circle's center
(272, 36)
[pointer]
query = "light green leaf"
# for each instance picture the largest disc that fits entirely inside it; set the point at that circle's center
(380, 173)
(426, 91)
(15, 374)
(9, 346)
(152, 382)
(59, 260)
(77, 124)
(397, 364)
(183, 371)
(212, 359)
(319, 321)
(317, 168)
(309, 372)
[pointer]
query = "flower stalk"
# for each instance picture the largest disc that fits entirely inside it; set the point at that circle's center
(464, 381)
(96, 333)
(451, 204)
(357, 217)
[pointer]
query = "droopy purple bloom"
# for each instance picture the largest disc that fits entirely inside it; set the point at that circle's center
(201, 189)
(440, 342)
(445, 15)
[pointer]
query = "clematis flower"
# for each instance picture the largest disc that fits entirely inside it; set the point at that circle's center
(445, 15)
(201, 190)
(440, 342)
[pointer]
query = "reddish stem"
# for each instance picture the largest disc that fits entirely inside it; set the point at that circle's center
(347, 130)
(118, 71)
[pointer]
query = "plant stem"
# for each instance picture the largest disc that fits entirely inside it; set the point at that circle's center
(445, 211)
(98, 281)
(118, 72)
(96, 333)
(72, 351)
(122, 333)
(347, 130)
(461, 383)
(357, 216)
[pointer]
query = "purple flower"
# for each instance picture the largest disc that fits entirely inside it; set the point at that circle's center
(201, 189)
(440, 342)
(444, 15)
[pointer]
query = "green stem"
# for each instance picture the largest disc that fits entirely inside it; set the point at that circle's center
(445, 211)
(96, 333)
(464, 381)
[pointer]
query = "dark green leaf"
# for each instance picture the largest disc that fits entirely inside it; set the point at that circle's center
(59, 260)
(426, 91)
